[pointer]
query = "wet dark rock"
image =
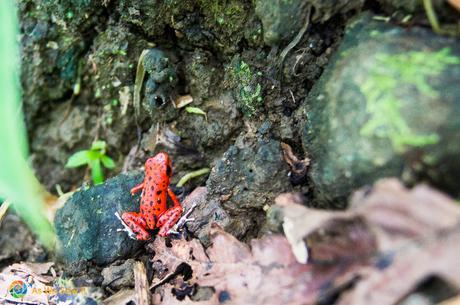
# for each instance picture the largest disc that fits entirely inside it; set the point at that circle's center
(51, 140)
(442, 8)
(204, 214)
(161, 81)
(251, 173)
(220, 124)
(17, 243)
(201, 73)
(51, 52)
(240, 187)
(87, 226)
(119, 276)
(77, 15)
(247, 178)
(282, 20)
(386, 105)
(206, 23)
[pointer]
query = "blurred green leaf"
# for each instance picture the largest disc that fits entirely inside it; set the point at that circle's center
(98, 145)
(96, 172)
(78, 159)
(94, 155)
(107, 162)
(93, 159)
(17, 181)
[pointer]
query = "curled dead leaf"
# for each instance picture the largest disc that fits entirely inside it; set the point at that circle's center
(183, 101)
(37, 270)
(390, 240)
(267, 273)
(122, 297)
(298, 167)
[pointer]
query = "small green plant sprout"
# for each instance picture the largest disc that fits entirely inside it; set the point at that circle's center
(93, 158)
(196, 110)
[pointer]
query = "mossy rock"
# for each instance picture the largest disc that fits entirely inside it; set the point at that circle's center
(388, 104)
(282, 19)
(87, 227)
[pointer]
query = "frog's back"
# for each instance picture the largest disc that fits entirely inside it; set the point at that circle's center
(156, 182)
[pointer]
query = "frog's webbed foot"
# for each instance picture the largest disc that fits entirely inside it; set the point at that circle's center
(135, 225)
(183, 220)
(126, 229)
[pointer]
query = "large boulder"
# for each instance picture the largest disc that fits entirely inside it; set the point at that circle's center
(282, 19)
(388, 104)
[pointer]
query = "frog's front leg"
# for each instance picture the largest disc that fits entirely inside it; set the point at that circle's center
(137, 224)
(137, 188)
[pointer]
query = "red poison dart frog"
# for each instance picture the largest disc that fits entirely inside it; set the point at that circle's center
(153, 208)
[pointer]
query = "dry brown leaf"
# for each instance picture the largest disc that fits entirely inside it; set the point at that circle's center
(390, 240)
(398, 214)
(54, 203)
(455, 3)
(37, 270)
(298, 167)
(391, 237)
(122, 297)
(231, 271)
(410, 266)
(29, 275)
(324, 236)
(183, 101)
(453, 301)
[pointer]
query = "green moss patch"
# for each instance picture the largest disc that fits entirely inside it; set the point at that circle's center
(384, 106)
(248, 91)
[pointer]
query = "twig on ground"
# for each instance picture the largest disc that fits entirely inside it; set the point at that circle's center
(141, 284)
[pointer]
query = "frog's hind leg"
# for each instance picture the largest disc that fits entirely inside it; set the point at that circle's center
(168, 219)
(137, 224)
